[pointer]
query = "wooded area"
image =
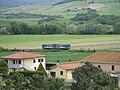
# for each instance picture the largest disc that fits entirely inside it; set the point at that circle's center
(87, 23)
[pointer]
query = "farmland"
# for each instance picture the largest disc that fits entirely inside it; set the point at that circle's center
(98, 42)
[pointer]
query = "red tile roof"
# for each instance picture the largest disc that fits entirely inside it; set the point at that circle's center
(22, 55)
(113, 57)
(69, 65)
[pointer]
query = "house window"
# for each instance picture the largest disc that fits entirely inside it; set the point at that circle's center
(99, 66)
(6, 61)
(38, 60)
(13, 61)
(14, 69)
(33, 60)
(35, 68)
(19, 61)
(41, 60)
(61, 72)
(113, 67)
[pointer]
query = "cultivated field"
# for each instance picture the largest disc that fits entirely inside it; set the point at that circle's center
(99, 42)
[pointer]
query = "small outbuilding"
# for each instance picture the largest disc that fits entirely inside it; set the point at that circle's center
(64, 70)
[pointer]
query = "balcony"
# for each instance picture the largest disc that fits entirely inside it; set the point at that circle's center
(15, 65)
(117, 74)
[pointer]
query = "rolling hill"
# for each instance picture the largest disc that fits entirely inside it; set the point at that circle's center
(11, 3)
(102, 7)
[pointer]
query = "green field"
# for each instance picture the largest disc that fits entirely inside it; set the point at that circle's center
(99, 42)
(55, 56)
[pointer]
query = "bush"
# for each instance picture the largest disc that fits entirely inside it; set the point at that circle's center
(28, 73)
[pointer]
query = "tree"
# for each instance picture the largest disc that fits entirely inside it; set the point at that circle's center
(14, 28)
(91, 28)
(3, 67)
(85, 16)
(116, 28)
(38, 82)
(53, 29)
(89, 77)
(3, 30)
(8, 84)
(71, 29)
(41, 69)
(18, 28)
(55, 84)
(1, 83)
(108, 19)
(19, 82)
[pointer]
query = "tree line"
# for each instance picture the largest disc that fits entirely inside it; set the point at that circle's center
(28, 15)
(23, 28)
(93, 23)
(85, 23)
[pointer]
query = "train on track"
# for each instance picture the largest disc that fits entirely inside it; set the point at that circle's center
(56, 46)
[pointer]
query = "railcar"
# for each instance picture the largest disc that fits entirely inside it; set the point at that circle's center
(56, 46)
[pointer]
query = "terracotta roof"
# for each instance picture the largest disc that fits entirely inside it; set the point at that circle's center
(22, 55)
(113, 57)
(69, 65)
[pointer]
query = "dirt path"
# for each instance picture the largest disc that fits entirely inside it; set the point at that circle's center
(95, 5)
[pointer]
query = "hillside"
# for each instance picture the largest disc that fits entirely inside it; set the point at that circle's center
(11, 3)
(102, 7)
(106, 8)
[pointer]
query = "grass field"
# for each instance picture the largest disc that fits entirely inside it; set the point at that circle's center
(110, 8)
(99, 42)
(55, 56)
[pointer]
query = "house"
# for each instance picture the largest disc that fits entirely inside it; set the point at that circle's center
(24, 60)
(64, 70)
(108, 61)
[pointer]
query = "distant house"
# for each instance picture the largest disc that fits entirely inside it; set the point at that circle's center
(108, 61)
(64, 70)
(24, 60)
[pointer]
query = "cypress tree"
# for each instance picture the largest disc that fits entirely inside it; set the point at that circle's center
(41, 69)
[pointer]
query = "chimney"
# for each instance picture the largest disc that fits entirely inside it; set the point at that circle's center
(57, 61)
(23, 50)
(69, 60)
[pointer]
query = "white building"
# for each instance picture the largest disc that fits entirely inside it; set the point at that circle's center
(24, 60)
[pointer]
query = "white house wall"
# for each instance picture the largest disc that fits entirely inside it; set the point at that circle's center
(30, 65)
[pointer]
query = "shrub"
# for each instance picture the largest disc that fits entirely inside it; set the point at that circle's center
(28, 73)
